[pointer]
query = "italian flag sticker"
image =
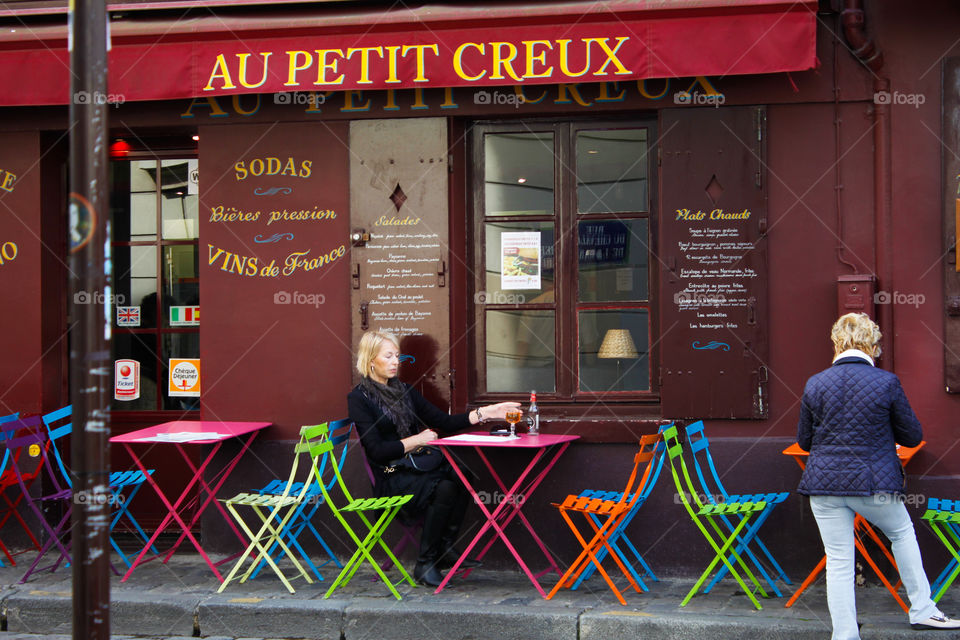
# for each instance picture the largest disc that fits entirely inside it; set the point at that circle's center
(184, 316)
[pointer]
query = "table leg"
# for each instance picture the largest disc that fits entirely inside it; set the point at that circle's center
(534, 483)
(808, 581)
(823, 563)
(171, 515)
(505, 511)
(211, 493)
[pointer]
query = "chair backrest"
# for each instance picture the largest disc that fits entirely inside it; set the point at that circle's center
(685, 488)
(3, 435)
(651, 453)
(700, 448)
(321, 444)
(59, 424)
(19, 436)
(339, 435)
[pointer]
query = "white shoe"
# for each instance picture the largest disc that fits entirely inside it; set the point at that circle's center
(936, 621)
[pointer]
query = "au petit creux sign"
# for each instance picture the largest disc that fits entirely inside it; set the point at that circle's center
(582, 53)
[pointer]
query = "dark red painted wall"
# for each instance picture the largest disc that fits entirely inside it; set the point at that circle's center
(275, 339)
(20, 342)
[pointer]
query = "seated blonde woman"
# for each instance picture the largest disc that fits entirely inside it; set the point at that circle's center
(394, 419)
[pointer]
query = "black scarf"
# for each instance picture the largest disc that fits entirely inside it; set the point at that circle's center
(394, 400)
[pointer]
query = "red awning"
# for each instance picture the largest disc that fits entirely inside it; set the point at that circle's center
(333, 49)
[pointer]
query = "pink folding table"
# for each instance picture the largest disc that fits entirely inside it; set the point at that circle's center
(190, 432)
(545, 450)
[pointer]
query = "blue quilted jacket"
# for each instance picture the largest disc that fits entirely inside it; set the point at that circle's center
(851, 418)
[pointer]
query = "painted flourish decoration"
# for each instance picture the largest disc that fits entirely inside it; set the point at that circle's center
(406, 357)
(272, 191)
(712, 345)
(277, 237)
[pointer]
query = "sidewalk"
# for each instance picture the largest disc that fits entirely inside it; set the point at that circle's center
(179, 600)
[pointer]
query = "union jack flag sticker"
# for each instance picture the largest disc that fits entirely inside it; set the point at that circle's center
(128, 316)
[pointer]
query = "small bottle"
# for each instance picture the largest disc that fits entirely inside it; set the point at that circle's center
(533, 415)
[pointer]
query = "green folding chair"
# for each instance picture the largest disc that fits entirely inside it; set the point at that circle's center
(317, 442)
(275, 512)
(708, 519)
(943, 516)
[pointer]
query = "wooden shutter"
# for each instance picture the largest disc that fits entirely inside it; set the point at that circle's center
(713, 252)
(398, 195)
(951, 226)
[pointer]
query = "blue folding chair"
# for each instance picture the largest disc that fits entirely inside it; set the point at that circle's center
(700, 448)
(619, 534)
(943, 516)
(123, 486)
(301, 519)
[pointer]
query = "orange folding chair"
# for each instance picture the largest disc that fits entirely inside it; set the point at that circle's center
(610, 514)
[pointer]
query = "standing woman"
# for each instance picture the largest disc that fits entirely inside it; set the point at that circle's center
(394, 419)
(852, 416)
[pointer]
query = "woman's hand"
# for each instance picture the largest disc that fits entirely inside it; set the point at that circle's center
(417, 440)
(498, 411)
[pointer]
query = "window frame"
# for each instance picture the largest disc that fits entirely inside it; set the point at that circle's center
(159, 331)
(566, 220)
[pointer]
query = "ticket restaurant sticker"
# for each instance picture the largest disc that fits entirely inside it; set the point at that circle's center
(184, 377)
(520, 260)
(126, 380)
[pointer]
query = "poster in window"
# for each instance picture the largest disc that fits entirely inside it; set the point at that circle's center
(520, 260)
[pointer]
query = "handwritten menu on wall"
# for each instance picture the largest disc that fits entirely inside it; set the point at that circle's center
(715, 284)
(401, 275)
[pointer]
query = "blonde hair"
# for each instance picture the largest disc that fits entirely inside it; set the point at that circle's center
(369, 347)
(856, 331)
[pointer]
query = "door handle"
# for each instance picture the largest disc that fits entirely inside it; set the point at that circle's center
(364, 316)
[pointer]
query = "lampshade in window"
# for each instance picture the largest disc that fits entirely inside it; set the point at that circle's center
(618, 343)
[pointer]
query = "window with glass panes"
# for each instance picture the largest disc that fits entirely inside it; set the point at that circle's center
(561, 269)
(154, 205)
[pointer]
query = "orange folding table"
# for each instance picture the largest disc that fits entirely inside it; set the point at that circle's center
(860, 527)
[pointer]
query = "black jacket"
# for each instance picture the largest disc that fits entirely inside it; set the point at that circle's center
(378, 433)
(852, 416)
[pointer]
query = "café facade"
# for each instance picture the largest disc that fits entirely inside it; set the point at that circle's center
(647, 212)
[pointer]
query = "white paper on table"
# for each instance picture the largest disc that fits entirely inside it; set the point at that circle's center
(475, 437)
(182, 436)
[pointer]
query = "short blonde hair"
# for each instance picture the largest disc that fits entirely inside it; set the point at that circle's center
(369, 347)
(856, 331)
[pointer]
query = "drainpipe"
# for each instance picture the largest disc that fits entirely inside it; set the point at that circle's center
(866, 51)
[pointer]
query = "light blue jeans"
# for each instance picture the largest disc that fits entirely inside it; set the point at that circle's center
(835, 516)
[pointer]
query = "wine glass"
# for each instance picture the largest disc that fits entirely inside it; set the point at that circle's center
(513, 416)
